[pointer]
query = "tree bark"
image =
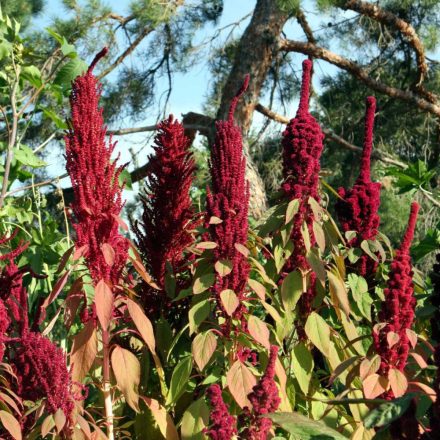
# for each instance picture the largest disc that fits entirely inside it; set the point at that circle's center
(256, 51)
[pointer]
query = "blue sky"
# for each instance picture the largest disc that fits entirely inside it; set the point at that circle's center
(189, 89)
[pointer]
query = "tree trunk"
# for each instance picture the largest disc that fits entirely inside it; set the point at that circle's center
(256, 51)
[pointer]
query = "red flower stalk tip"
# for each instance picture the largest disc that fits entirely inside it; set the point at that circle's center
(365, 173)
(223, 425)
(397, 313)
(307, 66)
(98, 56)
(97, 193)
(302, 147)
(228, 200)
(237, 97)
(358, 211)
(163, 232)
(41, 372)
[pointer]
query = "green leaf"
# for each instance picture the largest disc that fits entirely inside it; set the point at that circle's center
(179, 380)
(305, 428)
(69, 72)
(318, 332)
(33, 75)
(197, 314)
(59, 122)
(361, 297)
(291, 289)
(387, 412)
(302, 366)
(195, 420)
(68, 49)
(26, 156)
(292, 209)
(203, 283)
(125, 178)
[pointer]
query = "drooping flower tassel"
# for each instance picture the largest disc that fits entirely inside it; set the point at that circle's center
(358, 209)
(390, 335)
(228, 200)
(302, 147)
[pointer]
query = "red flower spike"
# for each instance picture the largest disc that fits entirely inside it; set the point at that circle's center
(97, 193)
(397, 311)
(163, 232)
(265, 400)
(228, 200)
(358, 211)
(302, 147)
(223, 426)
(42, 372)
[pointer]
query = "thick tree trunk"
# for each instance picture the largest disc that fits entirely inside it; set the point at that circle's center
(256, 51)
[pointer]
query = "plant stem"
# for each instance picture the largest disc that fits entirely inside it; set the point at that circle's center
(12, 137)
(108, 404)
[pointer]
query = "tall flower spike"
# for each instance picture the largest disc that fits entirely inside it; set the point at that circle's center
(302, 148)
(358, 209)
(223, 426)
(12, 292)
(265, 400)
(167, 218)
(397, 313)
(95, 181)
(228, 200)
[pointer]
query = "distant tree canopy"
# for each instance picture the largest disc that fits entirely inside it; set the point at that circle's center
(384, 48)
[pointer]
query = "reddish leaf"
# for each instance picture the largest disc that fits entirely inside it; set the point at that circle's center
(223, 267)
(121, 222)
(258, 288)
(392, 339)
(59, 285)
(242, 249)
(84, 351)
(374, 385)
(11, 424)
(419, 386)
(398, 382)
(259, 331)
(419, 359)
(412, 336)
(127, 371)
(65, 259)
(206, 245)
(229, 300)
(109, 254)
(162, 418)
(80, 252)
(240, 381)
(369, 366)
(60, 419)
(104, 303)
(142, 323)
(203, 347)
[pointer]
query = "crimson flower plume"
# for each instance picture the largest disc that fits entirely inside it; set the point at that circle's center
(95, 181)
(358, 209)
(397, 313)
(228, 200)
(302, 144)
(164, 230)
